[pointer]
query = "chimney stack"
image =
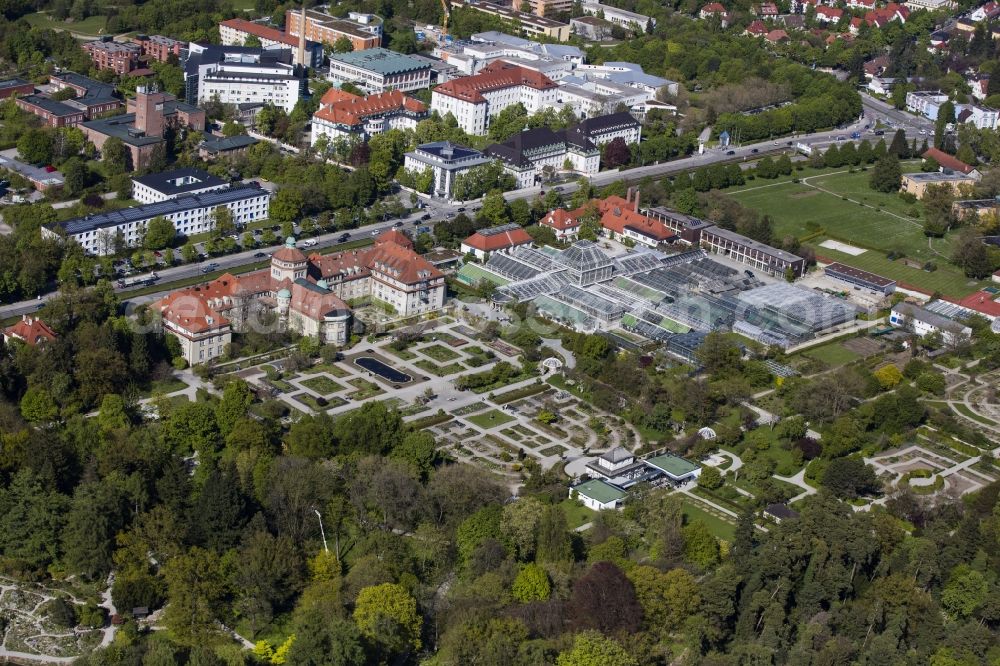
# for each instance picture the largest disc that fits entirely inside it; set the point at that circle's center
(636, 207)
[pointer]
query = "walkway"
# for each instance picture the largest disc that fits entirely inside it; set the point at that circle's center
(798, 479)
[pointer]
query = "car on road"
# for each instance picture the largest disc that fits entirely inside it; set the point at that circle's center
(425, 217)
(461, 209)
(208, 268)
(923, 132)
(376, 232)
(423, 230)
(754, 150)
(855, 135)
(398, 224)
(259, 255)
(841, 138)
(789, 143)
(343, 238)
(730, 152)
(879, 132)
(310, 243)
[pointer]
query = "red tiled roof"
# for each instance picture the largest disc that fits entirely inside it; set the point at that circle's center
(394, 236)
(618, 213)
(189, 309)
(495, 76)
(401, 263)
(353, 110)
(829, 13)
(261, 31)
(499, 241)
(291, 254)
(315, 303)
(982, 301)
(713, 8)
(776, 36)
(31, 331)
(757, 28)
(947, 161)
(560, 219)
(335, 95)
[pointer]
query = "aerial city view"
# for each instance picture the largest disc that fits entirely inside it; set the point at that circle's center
(489, 333)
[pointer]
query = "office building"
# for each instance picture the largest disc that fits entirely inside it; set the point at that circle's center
(52, 112)
(190, 213)
(475, 100)
(242, 74)
(379, 70)
(364, 31)
(236, 32)
(15, 86)
(159, 48)
(550, 7)
(639, 23)
(172, 184)
(859, 278)
(747, 251)
(530, 23)
(528, 155)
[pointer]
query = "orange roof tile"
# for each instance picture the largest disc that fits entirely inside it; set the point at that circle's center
(560, 219)
(947, 161)
(394, 236)
(261, 31)
(495, 76)
(982, 301)
(498, 241)
(355, 109)
(31, 331)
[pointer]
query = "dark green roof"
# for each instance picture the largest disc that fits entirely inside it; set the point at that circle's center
(600, 491)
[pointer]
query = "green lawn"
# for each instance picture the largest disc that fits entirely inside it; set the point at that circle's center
(968, 413)
(576, 513)
(93, 25)
(439, 370)
(832, 354)
(322, 385)
(490, 419)
(720, 528)
(366, 389)
(165, 386)
(440, 353)
(801, 211)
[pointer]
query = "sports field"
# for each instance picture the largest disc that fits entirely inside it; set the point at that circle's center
(841, 206)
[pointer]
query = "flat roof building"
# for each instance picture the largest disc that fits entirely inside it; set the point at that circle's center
(172, 184)
(620, 17)
(531, 24)
(242, 74)
(118, 57)
(236, 32)
(916, 183)
(446, 160)
(159, 48)
(53, 113)
(598, 495)
(190, 213)
(860, 278)
(380, 70)
(212, 147)
(745, 250)
(364, 31)
(15, 86)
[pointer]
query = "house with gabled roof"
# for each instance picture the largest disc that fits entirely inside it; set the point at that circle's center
(503, 238)
(30, 330)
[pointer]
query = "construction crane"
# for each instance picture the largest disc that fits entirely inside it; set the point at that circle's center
(447, 15)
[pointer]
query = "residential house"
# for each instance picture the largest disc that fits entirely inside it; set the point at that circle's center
(565, 225)
(756, 29)
(500, 239)
(30, 330)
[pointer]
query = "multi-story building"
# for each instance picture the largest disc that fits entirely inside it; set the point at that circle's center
(629, 74)
(917, 183)
(341, 114)
(745, 250)
(52, 112)
(550, 7)
(620, 17)
(605, 129)
(527, 155)
(364, 31)
(379, 70)
(243, 74)
(530, 23)
(446, 160)
(159, 48)
(591, 28)
(592, 96)
(30, 331)
(190, 213)
(924, 322)
(925, 103)
(236, 32)
(623, 221)
(119, 57)
(15, 86)
(141, 129)
(94, 98)
(475, 100)
(172, 184)
(981, 117)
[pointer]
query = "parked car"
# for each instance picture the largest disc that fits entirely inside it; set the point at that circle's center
(259, 255)
(754, 150)
(425, 217)
(343, 238)
(730, 152)
(461, 209)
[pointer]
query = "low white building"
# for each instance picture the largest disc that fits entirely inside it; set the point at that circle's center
(475, 100)
(190, 213)
(630, 74)
(446, 160)
(620, 17)
(605, 129)
(982, 117)
(598, 495)
(172, 184)
(924, 322)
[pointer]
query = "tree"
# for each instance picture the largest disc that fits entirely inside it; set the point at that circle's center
(667, 599)
(76, 176)
(972, 255)
(160, 233)
(898, 147)
(531, 584)
(508, 122)
(718, 354)
(886, 176)
(554, 543)
(343, 45)
(35, 146)
(286, 206)
(387, 615)
(604, 599)
(592, 649)
(37, 406)
(222, 221)
(617, 154)
(945, 117)
(31, 520)
(965, 592)
(938, 216)
(710, 478)
(321, 640)
(116, 157)
(236, 400)
(700, 547)
(196, 589)
(849, 478)
(888, 376)
(95, 516)
(495, 208)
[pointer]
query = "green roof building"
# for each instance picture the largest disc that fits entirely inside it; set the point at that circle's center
(380, 70)
(676, 468)
(598, 495)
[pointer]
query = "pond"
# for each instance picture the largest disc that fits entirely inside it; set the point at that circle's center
(382, 370)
